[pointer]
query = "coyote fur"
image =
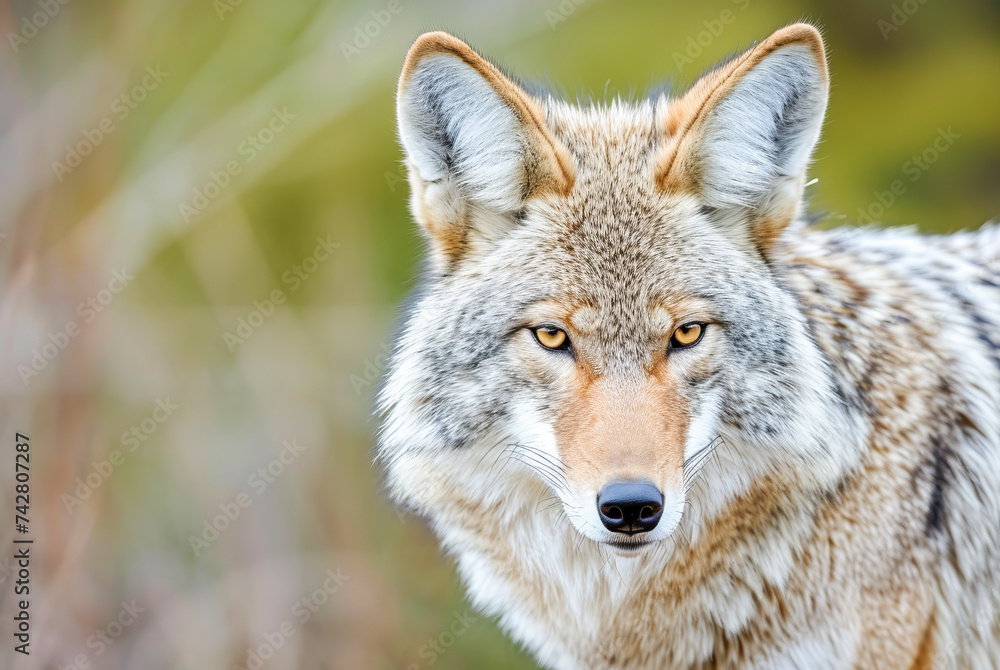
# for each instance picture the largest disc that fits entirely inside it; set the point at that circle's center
(662, 421)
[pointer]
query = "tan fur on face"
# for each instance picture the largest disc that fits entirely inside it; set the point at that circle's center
(610, 428)
(614, 430)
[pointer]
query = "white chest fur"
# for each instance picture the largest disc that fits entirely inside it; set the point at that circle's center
(571, 602)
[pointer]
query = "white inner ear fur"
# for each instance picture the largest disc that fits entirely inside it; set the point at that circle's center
(456, 128)
(756, 142)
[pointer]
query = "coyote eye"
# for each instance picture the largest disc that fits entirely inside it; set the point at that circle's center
(687, 335)
(551, 337)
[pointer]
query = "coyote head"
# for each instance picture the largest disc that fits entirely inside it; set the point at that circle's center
(600, 294)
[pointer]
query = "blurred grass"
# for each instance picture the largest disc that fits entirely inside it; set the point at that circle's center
(306, 371)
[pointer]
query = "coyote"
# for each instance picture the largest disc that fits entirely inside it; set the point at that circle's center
(660, 420)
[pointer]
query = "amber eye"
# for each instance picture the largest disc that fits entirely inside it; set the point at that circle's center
(551, 337)
(687, 335)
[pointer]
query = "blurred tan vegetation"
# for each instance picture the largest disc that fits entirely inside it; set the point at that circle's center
(319, 215)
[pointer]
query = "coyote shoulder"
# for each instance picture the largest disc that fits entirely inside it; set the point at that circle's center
(660, 421)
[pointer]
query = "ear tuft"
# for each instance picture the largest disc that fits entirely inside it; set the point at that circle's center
(745, 132)
(460, 116)
(473, 138)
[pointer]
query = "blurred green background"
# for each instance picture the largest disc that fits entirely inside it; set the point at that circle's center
(213, 153)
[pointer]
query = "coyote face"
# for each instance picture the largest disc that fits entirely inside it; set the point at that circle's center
(598, 298)
(783, 442)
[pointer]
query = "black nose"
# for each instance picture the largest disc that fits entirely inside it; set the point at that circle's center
(630, 507)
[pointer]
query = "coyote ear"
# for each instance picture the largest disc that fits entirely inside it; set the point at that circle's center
(476, 145)
(742, 136)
